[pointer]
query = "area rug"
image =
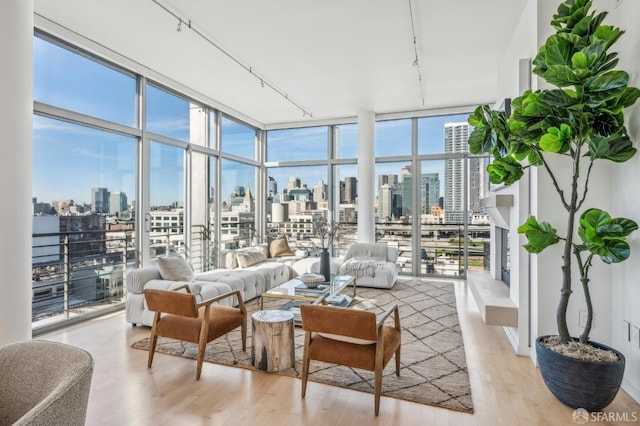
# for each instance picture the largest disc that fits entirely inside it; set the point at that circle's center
(433, 365)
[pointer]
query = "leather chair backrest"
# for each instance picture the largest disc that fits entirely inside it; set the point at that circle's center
(172, 302)
(344, 322)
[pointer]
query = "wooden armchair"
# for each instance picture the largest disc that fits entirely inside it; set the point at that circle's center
(350, 337)
(187, 320)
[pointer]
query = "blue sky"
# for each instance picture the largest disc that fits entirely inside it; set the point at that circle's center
(69, 160)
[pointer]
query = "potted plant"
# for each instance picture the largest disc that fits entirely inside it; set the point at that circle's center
(564, 130)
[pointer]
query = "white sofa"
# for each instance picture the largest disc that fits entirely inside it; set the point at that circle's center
(248, 270)
(373, 265)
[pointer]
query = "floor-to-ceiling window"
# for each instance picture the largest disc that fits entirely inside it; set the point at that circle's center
(345, 184)
(84, 181)
(126, 170)
(428, 189)
(238, 184)
(312, 173)
(453, 226)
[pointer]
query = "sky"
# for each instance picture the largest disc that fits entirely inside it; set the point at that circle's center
(69, 160)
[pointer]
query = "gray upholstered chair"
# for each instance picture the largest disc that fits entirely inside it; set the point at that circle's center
(44, 383)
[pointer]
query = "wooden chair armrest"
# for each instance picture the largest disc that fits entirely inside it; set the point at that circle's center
(381, 318)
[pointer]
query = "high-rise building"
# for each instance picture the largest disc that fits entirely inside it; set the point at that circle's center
(117, 202)
(406, 189)
(429, 192)
(294, 182)
(385, 202)
(320, 191)
(273, 186)
(390, 180)
(478, 183)
(456, 136)
(100, 200)
(350, 190)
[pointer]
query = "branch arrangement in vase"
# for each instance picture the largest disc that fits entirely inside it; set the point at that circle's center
(326, 231)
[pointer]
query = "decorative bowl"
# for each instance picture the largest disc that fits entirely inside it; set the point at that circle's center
(311, 280)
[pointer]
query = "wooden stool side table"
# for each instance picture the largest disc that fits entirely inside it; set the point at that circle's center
(272, 344)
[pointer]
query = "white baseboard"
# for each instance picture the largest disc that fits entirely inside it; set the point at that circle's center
(512, 335)
(631, 389)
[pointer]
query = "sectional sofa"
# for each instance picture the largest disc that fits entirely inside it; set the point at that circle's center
(252, 271)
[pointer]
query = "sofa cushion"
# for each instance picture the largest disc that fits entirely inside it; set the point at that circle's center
(248, 258)
(279, 247)
(175, 268)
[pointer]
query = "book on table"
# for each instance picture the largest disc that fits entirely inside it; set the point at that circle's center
(304, 290)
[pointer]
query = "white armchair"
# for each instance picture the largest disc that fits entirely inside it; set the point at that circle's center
(373, 265)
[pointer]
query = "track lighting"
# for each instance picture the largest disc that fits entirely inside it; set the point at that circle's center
(250, 70)
(416, 63)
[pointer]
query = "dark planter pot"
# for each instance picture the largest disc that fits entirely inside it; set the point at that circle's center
(577, 383)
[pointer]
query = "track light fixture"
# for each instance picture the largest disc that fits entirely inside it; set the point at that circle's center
(250, 70)
(416, 62)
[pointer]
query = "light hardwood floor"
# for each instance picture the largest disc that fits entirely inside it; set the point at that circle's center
(506, 388)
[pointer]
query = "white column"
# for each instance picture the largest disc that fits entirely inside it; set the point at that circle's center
(16, 122)
(366, 176)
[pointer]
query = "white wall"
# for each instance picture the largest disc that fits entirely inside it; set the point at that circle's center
(614, 288)
(624, 283)
(16, 122)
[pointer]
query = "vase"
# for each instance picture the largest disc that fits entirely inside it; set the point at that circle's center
(325, 264)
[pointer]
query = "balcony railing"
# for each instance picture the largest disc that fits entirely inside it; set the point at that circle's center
(79, 274)
(82, 273)
(441, 245)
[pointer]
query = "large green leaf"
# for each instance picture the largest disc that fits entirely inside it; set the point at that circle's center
(616, 147)
(628, 97)
(620, 150)
(604, 236)
(606, 86)
(561, 76)
(608, 34)
(558, 51)
(505, 170)
(556, 140)
(540, 235)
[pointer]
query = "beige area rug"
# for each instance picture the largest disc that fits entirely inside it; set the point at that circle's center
(433, 365)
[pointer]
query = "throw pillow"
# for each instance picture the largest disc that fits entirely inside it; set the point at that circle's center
(279, 247)
(248, 258)
(175, 268)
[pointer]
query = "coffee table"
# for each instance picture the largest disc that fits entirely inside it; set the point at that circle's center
(333, 288)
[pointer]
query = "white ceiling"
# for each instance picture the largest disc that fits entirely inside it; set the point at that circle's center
(333, 58)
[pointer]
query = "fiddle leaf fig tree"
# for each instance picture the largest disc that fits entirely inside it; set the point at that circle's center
(581, 120)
